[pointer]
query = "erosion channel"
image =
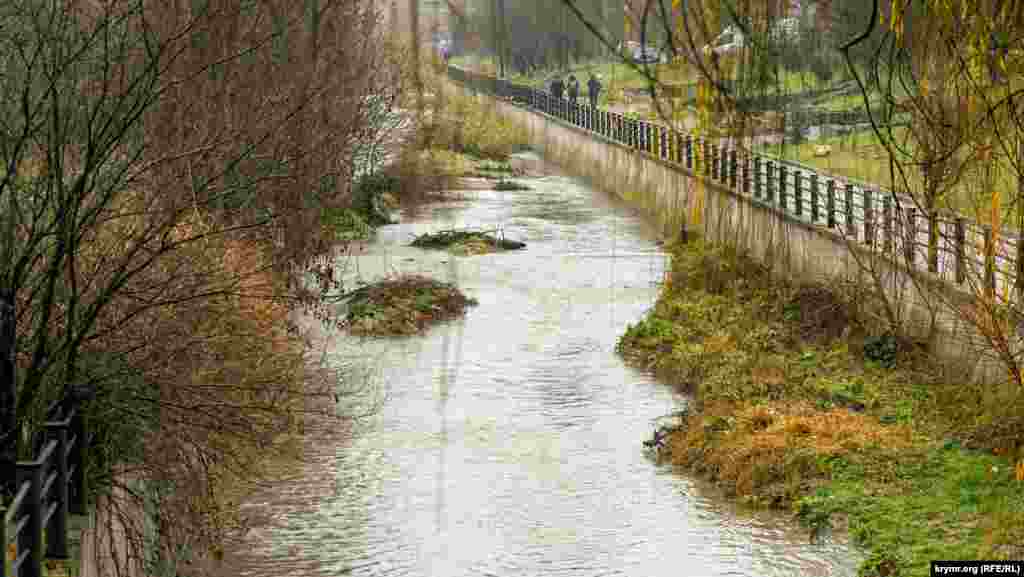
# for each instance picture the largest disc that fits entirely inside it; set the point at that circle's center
(509, 442)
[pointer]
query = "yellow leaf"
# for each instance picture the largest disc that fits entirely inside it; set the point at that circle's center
(1020, 471)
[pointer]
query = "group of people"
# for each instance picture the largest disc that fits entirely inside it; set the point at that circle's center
(571, 88)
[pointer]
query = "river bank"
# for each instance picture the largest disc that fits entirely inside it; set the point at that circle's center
(514, 427)
(799, 406)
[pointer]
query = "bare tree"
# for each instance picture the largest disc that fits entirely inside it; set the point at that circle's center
(165, 166)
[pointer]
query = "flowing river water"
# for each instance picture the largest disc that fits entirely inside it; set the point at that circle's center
(509, 442)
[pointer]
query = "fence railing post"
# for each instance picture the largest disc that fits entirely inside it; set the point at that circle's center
(798, 192)
(709, 159)
(783, 201)
(8, 385)
(869, 218)
(830, 203)
(723, 164)
(733, 166)
(815, 209)
(887, 223)
(960, 233)
(57, 528)
(757, 177)
(911, 236)
(689, 152)
(31, 537)
(769, 179)
(746, 173)
(933, 241)
(850, 229)
(714, 163)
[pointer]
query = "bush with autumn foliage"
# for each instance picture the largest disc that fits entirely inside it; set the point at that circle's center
(165, 169)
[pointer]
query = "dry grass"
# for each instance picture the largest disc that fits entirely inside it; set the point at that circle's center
(790, 412)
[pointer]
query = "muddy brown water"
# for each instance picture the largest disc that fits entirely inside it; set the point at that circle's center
(509, 442)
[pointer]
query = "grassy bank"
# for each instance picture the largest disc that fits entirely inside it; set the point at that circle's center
(799, 405)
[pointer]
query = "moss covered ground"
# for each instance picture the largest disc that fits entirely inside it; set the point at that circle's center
(800, 405)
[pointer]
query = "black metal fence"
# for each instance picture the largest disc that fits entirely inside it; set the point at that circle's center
(944, 244)
(47, 489)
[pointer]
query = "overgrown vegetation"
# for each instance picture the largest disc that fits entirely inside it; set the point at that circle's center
(469, 125)
(373, 199)
(164, 169)
(403, 305)
(466, 242)
(800, 404)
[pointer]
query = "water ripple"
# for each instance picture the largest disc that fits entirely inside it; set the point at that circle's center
(509, 441)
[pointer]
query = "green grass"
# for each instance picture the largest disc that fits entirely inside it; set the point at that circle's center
(858, 156)
(800, 405)
(861, 156)
(944, 503)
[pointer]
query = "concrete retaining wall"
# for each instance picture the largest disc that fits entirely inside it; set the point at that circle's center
(666, 196)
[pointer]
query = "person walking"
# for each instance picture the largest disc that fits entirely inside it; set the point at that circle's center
(574, 90)
(557, 88)
(593, 90)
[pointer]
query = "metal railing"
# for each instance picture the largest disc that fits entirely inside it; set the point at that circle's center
(939, 242)
(46, 490)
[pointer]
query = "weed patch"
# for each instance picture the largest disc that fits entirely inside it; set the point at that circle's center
(403, 305)
(794, 408)
(504, 184)
(465, 242)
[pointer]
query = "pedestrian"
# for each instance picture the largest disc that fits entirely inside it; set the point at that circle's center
(593, 90)
(574, 89)
(557, 88)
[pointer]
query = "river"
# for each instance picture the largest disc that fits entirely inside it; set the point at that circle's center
(509, 442)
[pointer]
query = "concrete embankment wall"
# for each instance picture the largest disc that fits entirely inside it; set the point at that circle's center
(666, 195)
